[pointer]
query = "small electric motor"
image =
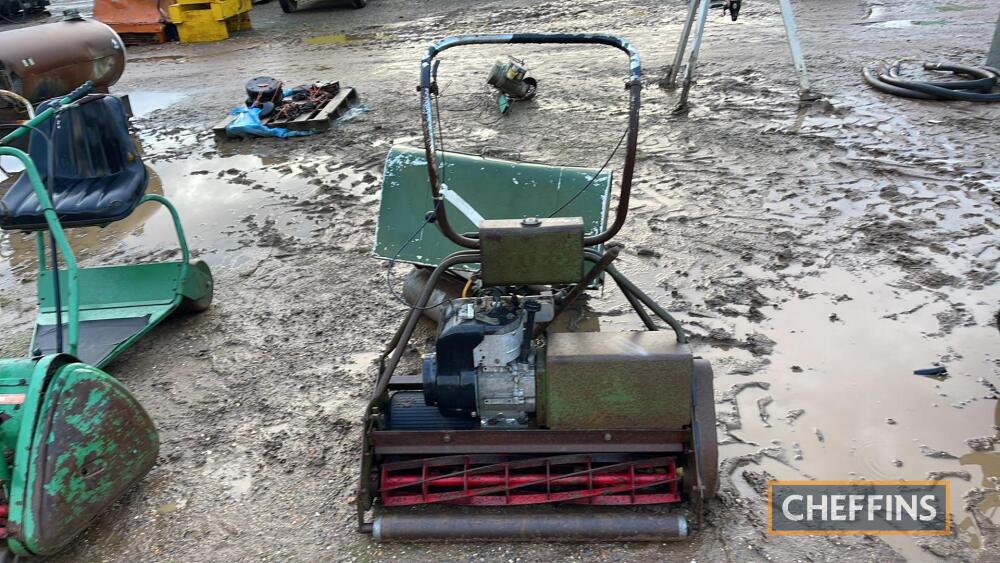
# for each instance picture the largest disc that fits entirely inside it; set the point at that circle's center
(265, 93)
(512, 80)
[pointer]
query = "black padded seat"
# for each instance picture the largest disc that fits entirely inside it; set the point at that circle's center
(98, 175)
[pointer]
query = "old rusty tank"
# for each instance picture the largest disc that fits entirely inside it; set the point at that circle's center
(49, 60)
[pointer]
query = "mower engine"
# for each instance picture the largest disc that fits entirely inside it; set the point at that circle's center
(484, 365)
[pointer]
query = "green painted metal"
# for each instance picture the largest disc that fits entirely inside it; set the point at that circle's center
(81, 441)
(127, 291)
(72, 284)
(478, 188)
(608, 380)
(116, 286)
(504, 102)
(28, 380)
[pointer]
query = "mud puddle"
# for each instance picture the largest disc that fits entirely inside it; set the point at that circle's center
(899, 24)
(821, 375)
(236, 210)
(145, 103)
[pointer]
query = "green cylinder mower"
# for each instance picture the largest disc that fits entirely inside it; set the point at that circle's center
(73, 438)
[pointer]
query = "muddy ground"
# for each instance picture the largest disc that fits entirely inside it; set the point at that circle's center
(819, 253)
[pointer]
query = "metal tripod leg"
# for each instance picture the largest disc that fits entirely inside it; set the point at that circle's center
(993, 58)
(693, 59)
(681, 45)
(788, 17)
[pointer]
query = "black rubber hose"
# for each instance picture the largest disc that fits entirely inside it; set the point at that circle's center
(982, 75)
(940, 93)
(874, 81)
(977, 90)
(983, 80)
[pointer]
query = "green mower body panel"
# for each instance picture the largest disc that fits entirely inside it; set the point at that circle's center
(80, 440)
(118, 305)
(477, 188)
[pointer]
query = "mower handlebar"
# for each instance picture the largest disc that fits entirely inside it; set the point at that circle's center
(66, 100)
(428, 88)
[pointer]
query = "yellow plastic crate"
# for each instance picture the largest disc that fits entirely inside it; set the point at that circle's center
(200, 26)
(199, 22)
(220, 9)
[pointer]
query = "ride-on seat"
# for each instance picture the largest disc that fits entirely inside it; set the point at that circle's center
(98, 177)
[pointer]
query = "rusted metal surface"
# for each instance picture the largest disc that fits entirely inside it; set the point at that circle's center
(429, 90)
(92, 442)
(532, 251)
(435, 442)
(617, 380)
(587, 525)
(49, 60)
(317, 120)
(506, 481)
(138, 21)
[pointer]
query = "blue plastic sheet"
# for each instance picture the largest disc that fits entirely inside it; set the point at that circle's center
(248, 124)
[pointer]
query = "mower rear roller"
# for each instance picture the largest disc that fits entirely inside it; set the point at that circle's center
(578, 526)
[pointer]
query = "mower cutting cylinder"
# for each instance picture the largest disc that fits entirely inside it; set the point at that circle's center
(568, 527)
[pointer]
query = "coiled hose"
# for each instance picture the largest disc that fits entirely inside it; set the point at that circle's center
(979, 88)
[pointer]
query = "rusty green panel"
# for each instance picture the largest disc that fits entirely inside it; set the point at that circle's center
(15, 375)
(532, 251)
(89, 442)
(478, 188)
(634, 380)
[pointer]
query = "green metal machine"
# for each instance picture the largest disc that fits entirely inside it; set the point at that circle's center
(537, 426)
(73, 438)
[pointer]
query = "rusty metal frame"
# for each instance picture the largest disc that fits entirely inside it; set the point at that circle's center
(428, 89)
(444, 442)
(447, 442)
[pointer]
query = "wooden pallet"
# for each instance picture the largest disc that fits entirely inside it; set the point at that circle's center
(317, 120)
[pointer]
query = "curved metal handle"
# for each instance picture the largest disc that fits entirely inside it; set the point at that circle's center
(428, 88)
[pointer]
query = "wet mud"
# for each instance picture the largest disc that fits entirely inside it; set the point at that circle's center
(818, 254)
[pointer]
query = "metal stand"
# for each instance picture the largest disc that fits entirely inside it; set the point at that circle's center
(698, 11)
(993, 58)
(679, 55)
